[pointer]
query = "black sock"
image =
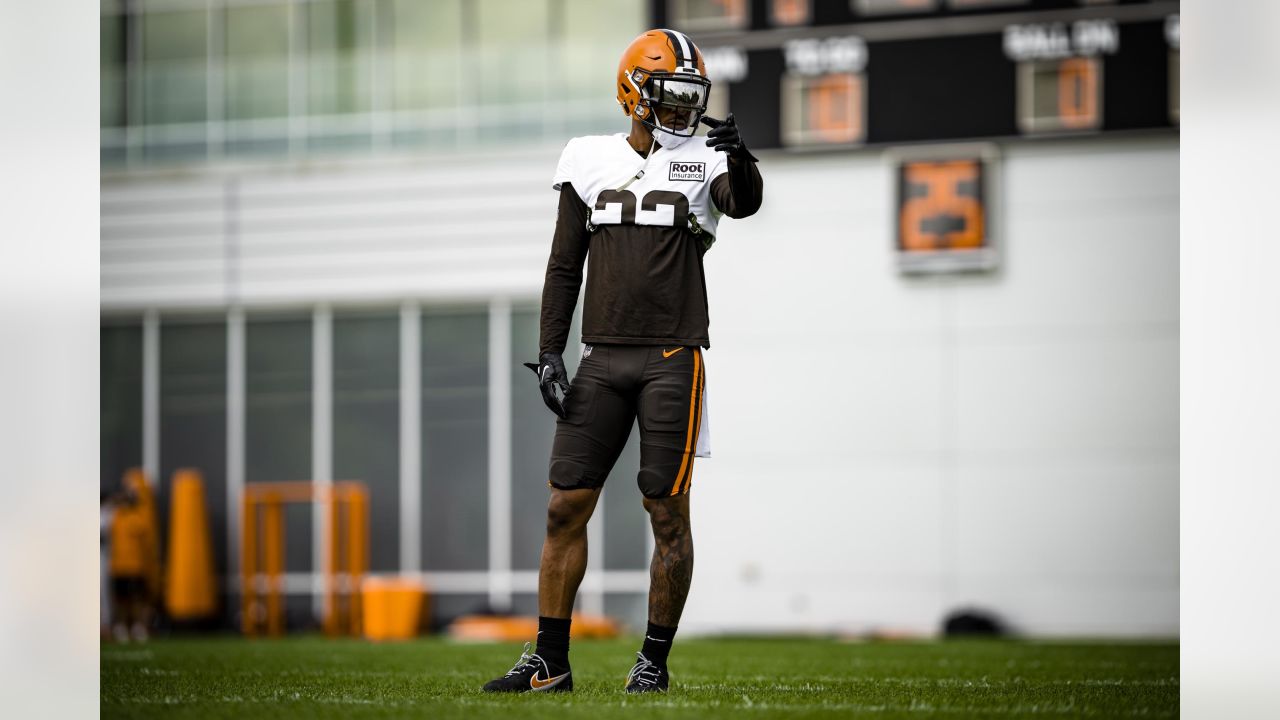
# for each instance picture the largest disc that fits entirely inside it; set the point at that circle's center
(657, 643)
(553, 641)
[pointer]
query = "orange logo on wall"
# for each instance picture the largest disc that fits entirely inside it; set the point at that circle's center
(941, 206)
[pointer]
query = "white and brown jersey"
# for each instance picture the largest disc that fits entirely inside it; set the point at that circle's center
(643, 225)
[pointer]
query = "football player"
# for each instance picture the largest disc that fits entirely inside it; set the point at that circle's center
(641, 209)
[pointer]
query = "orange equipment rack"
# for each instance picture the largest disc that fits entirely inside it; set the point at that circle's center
(262, 568)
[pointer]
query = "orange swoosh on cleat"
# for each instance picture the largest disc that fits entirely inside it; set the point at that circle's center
(537, 684)
(669, 353)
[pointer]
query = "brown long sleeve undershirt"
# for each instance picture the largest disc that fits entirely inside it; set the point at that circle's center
(564, 270)
(667, 307)
(739, 192)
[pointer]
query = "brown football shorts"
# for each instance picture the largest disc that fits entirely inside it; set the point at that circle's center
(662, 386)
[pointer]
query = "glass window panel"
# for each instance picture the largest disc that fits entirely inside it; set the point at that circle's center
(503, 128)
(299, 612)
(111, 155)
(513, 52)
(444, 608)
(174, 59)
(629, 608)
(257, 62)
(334, 141)
(439, 137)
(336, 39)
(532, 429)
(527, 604)
(455, 440)
(425, 41)
(175, 154)
(366, 422)
(111, 65)
(278, 145)
(193, 418)
(626, 524)
(278, 418)
(173, 142)
(120, 402)
(594, 35)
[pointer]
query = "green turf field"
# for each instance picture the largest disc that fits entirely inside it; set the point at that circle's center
(313, 677)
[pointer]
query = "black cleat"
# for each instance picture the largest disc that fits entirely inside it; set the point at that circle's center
(646, 676)
(531, 674)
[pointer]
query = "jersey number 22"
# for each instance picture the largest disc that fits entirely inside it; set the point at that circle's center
(657, 207)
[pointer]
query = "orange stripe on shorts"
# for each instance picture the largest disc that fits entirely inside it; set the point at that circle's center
(697, 430)
(689, 433)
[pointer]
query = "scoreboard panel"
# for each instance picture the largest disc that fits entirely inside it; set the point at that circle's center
(846, 73)
(935, 83)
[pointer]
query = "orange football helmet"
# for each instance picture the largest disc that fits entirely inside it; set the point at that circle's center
(662, 82)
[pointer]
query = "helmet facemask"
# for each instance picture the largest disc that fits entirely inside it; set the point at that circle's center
(672, 106)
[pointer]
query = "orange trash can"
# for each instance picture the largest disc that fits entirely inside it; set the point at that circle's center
(392, 607)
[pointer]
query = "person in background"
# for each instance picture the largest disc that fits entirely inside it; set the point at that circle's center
(132, 549)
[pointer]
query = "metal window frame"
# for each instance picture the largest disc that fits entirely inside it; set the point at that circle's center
(410, 437)
(151, 397)
(235, 433)
(321, 441)
(500, 534)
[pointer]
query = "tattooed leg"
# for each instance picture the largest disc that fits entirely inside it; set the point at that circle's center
(672, 568)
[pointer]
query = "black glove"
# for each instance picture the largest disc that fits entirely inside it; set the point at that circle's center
(724, 136)
(551, 374)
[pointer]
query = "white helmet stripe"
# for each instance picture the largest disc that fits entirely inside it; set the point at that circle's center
(685, 48)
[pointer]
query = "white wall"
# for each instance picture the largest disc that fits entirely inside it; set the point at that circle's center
(885, 448)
